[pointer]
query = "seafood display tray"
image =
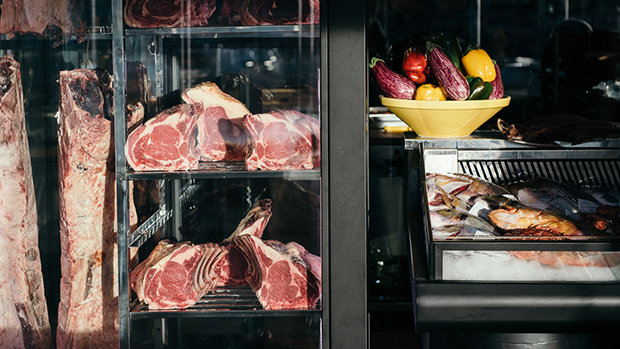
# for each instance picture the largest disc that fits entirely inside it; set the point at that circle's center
(450, 295)
(500, 259)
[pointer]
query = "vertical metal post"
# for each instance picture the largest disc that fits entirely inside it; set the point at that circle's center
(122, 185)
(347, 172)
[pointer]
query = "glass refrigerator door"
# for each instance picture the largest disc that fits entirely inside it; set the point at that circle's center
(221, 153)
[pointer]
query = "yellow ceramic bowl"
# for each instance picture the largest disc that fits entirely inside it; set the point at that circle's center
(444, 119)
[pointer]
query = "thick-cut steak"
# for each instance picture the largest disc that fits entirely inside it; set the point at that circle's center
(279, 274)
(283, 140)
(24, 321)
(49, 18)
(233, 265)
(165, 142)
(271, 12)
(88, 309)
(177, 275)
(221, 135)
(168, 13)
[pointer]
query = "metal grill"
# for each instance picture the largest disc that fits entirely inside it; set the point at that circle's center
(223, 298)
(579, 173)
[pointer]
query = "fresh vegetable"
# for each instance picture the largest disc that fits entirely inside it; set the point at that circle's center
(414, 65)
(498, 86)
(449, 77)
(479, 89)
(392, 83)
(478, 63)
(430, 92)
(451, 46)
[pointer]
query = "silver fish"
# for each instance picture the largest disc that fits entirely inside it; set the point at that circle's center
(549, 195)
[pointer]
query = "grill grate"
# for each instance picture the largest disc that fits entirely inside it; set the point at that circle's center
(223, 298)
(580, 173)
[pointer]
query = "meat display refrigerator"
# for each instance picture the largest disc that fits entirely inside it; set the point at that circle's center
(287, 66)
(287, 63)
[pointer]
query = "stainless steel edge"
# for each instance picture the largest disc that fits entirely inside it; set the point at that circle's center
(293, 31)
(122, 186)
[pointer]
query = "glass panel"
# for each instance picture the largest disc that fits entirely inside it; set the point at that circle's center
(235, 190)
(479, 265)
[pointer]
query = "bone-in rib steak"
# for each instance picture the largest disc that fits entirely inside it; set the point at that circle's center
(50, 18)
(221, 134)
(283, 140)
(24, 321)
(88, 309)
(279, 276)
(166, 142)
(271, 12)
(177, 275)
(168, 13)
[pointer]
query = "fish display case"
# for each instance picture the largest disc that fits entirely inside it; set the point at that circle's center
(489, 250)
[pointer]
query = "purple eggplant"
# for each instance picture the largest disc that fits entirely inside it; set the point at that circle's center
(392, 83)
(447, 74)
(498, 86)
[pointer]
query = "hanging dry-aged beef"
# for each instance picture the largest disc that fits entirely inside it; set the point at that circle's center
(177, 275)
(50, 18)
(24, 321)
(271, 12)
(166, 142)
(168, 13)
(221, 134)
(283, 140)
(88, 309)
(283, 276)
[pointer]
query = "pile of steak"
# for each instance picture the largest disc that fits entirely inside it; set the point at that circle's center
(88, 309)
(165, 142)
(283, 140)
(213, 126)
(221, 135)
(271, 12)
(197, 13)
(24, 321)
(177, 275)
(50, 18)
(168, 13)
(283, 276)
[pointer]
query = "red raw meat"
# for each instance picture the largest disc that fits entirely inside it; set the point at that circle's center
(168, 13)
(177, 275)
(271, 12)
(24, 320)
(165, 142)
(233, 267)
(283, 140)
(221, 134)
(49, 18)
(88, 309)
(279, 275)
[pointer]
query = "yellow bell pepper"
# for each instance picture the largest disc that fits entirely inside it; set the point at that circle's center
(430, 92)
(478, 63)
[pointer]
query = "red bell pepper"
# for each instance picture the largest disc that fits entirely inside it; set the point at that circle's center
(414, 65)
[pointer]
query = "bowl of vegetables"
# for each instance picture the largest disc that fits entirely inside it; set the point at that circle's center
(439, 91)
(444, 119)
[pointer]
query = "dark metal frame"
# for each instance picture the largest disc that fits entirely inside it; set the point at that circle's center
(344, 172)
